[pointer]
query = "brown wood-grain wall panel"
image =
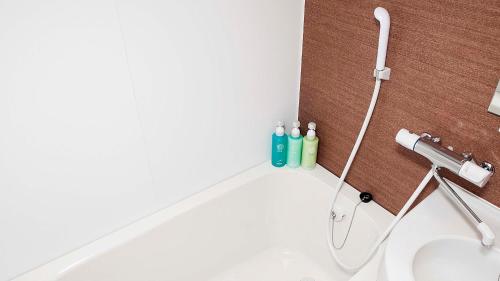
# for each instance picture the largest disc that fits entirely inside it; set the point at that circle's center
(445, 61)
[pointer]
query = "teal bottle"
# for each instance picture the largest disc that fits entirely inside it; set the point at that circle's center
(279, 146)
(294, 153)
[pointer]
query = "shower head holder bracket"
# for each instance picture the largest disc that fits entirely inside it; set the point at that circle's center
(383, 74)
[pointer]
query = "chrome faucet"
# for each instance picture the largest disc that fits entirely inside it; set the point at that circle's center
(460, 164)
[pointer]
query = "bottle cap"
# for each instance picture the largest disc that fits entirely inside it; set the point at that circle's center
(296, 124)
(295, 132)
(311, 134)
(280, 131)
(280, 124)
(311, 126)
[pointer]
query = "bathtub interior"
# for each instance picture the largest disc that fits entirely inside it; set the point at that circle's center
(271, 228)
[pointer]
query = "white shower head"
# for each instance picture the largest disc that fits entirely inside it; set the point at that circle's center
(384, 19)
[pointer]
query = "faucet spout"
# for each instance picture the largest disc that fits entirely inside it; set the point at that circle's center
(488, 237)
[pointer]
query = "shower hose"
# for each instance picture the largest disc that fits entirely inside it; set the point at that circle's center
(402, 212)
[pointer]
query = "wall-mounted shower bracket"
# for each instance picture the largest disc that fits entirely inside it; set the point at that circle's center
(383, 74)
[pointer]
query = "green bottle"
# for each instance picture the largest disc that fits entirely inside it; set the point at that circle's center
(294, 154)
(310, 147)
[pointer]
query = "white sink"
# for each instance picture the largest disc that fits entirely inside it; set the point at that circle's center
(436, 242)
(456, 259)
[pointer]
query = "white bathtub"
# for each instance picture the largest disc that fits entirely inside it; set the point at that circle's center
(264, 224)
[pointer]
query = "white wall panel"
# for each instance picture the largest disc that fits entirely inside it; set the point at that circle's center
(211, 79)
(72, 160)
(110, 110)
